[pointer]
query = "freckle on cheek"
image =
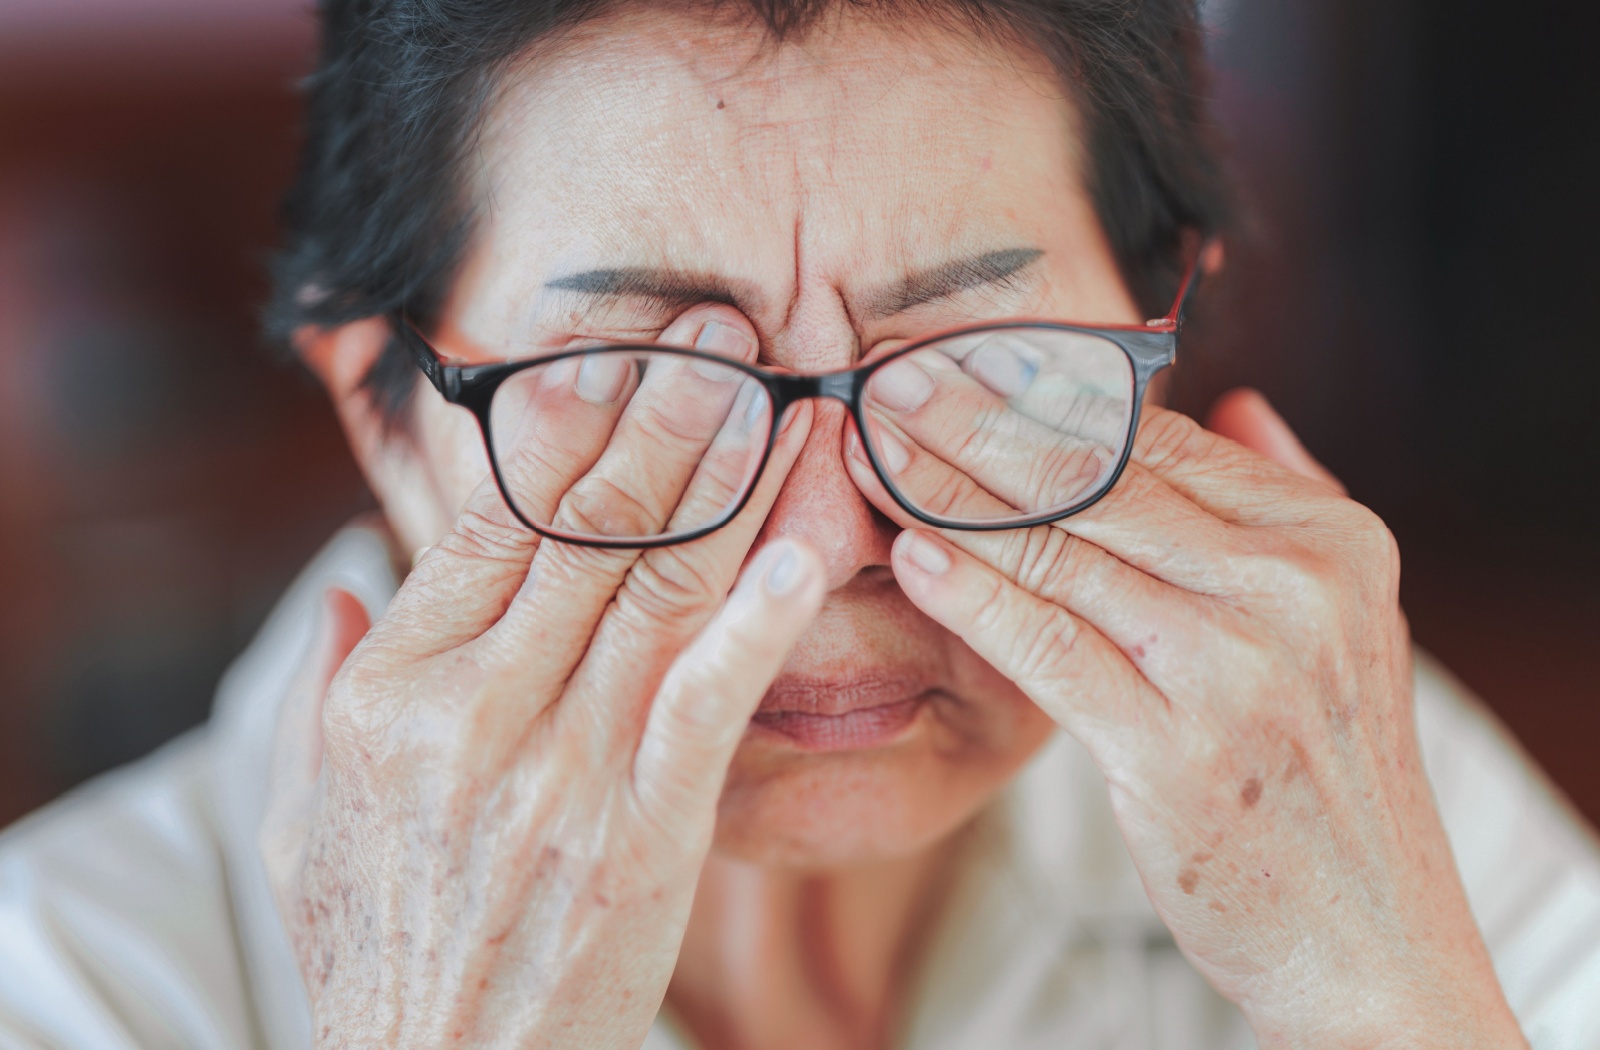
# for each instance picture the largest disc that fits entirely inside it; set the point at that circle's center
(1251, 793)
(1188, 880)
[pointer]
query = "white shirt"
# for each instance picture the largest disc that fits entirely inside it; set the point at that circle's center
(135, 911)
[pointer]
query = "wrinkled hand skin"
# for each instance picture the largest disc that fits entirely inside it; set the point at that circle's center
(1223, 634)
(490, 810)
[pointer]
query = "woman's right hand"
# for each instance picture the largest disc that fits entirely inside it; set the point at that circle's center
(493, 832)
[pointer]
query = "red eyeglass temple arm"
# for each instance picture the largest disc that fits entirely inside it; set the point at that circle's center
(1207, 259)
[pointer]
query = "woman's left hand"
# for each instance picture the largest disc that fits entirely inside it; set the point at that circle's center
(1223, 634)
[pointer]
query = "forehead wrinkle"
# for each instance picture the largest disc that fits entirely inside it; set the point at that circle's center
(793, 140)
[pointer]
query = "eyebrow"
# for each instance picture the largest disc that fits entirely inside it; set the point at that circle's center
(664, 286)
(676, 288)
(948, 279)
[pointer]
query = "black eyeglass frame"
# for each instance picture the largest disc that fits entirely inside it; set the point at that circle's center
(1150, 347)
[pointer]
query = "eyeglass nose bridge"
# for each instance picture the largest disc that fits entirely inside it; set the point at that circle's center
(788, 389)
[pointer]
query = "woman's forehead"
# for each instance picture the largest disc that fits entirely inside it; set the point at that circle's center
(865, 151)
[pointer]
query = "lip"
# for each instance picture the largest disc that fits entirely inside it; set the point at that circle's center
(844, 713)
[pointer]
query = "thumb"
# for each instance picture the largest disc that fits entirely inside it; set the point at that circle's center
(1245, 416)
(296, 763)
(704, 704)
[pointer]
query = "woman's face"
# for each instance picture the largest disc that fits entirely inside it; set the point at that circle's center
(836, 190)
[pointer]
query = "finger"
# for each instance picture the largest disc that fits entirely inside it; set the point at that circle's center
(1036, 439)
(680, 408)
(704, 705)
(950, 441)
(1142, 521)
(1231, 481)
(462, 585)
(568, 587)
(607, 621)
(1070, 383)
(668, 596)
(1061, 662)
(549, 424)
(1151, 621)
(296, 755)
(1245, 416)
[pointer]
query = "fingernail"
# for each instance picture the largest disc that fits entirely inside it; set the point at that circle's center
(719, 338)
(560, 375)
(755, 409)
(925, 554)
(714, 372)
(789, 418)
(1001, 366)
(784, 571)
(894, 454)
(900, 385)
(601, 378)
(852, 446)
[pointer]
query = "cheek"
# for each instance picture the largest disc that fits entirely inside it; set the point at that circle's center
(821, 811)
(454, 459)
(429, 469)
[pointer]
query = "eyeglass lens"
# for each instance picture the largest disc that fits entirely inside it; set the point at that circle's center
(625, 445)
(1003, 425)
(982, 428)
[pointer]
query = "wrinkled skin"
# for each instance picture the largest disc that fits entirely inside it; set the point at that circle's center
(493, 808)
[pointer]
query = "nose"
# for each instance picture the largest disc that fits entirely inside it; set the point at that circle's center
(820, 505)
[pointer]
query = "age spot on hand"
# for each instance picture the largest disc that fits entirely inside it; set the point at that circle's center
(1188, 879)
(1251, 794)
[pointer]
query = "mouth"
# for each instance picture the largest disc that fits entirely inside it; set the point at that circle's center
(845, 713)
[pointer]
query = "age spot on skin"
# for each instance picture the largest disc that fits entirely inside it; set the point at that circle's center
(1201, 857)
(1188, 880)
(1218, 907)
(1251, 793)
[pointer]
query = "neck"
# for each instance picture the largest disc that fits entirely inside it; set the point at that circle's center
(776, 959)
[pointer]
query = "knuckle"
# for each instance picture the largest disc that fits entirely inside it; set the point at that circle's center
(973, 444)
(681, 428)
(696, 727)
(1377, 542)
(993, 609)
(1045, 643)
(598, 506)
(668, 586)
(489, 537)
(948, 497)
(1042, 558)
(1059, 476)
(1301, 583)
(1167, 438)
(1037, 641)
(353, 728)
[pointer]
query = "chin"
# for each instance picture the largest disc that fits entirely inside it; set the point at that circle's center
(881, 780)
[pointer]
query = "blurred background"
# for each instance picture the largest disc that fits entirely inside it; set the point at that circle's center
(1416, 289)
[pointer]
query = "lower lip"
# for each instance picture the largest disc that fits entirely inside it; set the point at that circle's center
(853, 731)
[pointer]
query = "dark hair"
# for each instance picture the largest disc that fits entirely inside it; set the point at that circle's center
(377, 219)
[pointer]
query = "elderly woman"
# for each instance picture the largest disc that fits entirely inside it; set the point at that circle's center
(813, 631)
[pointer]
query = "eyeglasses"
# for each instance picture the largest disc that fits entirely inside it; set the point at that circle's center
(996, 426)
